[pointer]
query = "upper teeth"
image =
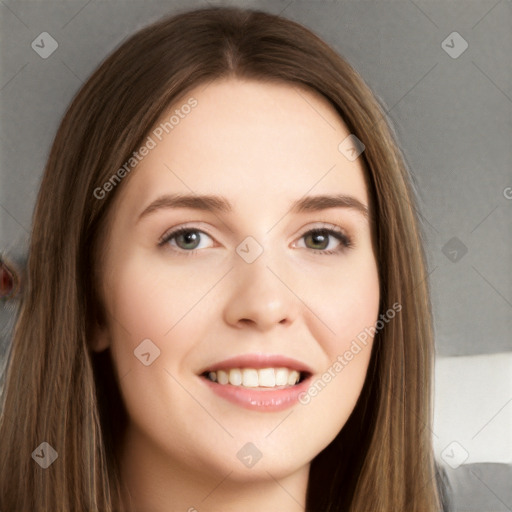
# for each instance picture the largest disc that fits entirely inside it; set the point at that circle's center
(251, 378)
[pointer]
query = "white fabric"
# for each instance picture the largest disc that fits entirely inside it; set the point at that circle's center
(473, 409)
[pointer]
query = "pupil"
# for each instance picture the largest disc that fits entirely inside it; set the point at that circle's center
(189, 237)
(318, 239)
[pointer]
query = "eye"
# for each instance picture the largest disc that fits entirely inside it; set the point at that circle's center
(320, 239)
(186, 239)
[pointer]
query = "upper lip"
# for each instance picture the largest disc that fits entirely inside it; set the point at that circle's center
(258, 361)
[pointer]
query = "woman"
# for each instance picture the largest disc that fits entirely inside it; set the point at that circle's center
(287, 365)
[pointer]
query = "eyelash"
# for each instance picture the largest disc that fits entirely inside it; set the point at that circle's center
(345, 241)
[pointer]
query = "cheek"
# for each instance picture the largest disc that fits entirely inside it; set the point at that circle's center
(351, 313)
(332, 395)
(144, 307)
(166, 304)
(151, 300)
(345, 303)
(156, 319)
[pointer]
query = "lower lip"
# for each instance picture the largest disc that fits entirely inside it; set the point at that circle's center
(259, 400)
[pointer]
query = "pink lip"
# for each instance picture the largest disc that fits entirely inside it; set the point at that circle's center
(266, 400)
(258, 361)
(271, 400)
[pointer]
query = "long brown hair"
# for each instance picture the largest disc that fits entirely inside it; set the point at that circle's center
(56, 390)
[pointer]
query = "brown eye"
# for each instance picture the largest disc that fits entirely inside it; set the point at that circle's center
(321, 238)
(318, 239)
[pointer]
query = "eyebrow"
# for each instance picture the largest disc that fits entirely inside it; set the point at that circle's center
(214, 203)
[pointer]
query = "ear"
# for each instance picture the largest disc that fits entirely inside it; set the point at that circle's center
(99, 338)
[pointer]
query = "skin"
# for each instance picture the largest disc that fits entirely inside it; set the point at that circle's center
(261, 146)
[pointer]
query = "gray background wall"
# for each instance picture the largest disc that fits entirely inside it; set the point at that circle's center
(452, 116)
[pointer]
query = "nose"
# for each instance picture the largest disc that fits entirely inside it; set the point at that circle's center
(260, 296)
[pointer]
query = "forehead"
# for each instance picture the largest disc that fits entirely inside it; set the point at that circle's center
(257, 142)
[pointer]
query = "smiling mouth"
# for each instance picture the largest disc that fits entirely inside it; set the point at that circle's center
(265, 379)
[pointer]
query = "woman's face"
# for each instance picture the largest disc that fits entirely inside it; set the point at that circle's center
(248, 279)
